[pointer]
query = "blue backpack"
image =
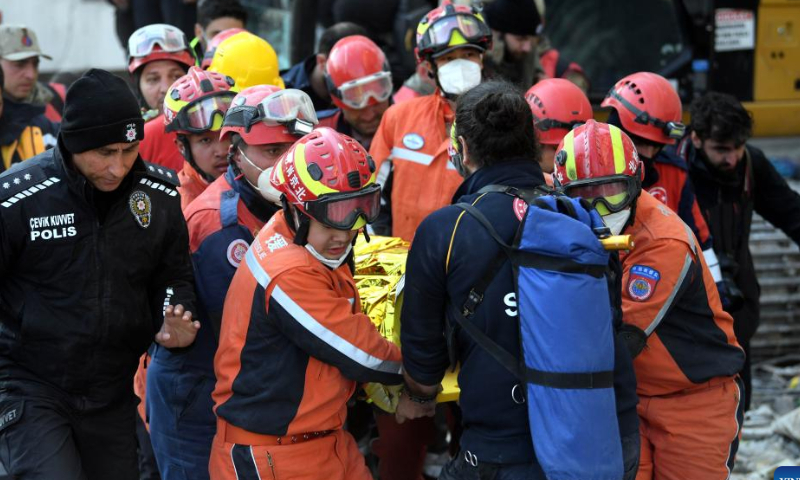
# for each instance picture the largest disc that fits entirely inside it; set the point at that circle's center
(566, 333)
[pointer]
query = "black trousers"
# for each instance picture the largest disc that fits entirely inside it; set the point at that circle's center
(48, 434)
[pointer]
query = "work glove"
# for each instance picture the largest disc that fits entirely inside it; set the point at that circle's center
(382, 396)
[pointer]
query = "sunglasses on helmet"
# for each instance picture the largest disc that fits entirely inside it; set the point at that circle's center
(357, 93)
(342, 210)
(291, 108)
(674, 130)
(167, 37)
(615, 192)
(441, 32)
(198, 116)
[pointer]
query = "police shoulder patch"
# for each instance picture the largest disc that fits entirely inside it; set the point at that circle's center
(19, 183)
(162, 174)
(642, 282)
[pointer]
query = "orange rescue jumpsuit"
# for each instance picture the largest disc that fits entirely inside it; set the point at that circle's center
(411, 143)
(690, 395)
(293, 345)
(192, 184)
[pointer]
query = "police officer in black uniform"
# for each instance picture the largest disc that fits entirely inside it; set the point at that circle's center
(94, 265)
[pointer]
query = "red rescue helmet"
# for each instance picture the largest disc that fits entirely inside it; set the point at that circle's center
(197, 101)
(266, 114)
(558, 105)
(158, 42)
(648, 107)
(208, 56)
(448, 27)
(329, 177)
(357, 73)
(598, 162)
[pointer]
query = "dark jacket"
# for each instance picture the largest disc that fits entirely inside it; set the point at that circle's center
(299, 77)
(85, 275)
(728, 205)
(16, 121)
(495, 427)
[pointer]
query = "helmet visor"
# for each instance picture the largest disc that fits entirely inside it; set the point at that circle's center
(342, 211)
(199, 116)
(613, 193)
(285, 106)
(440, 33)
(357, 93)
(169, 38)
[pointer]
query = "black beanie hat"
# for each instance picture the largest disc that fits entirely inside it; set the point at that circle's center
(100, 110)
(517, 17)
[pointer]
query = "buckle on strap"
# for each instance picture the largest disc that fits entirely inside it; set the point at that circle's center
(473, 300)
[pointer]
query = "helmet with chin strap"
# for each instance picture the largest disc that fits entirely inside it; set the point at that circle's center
(598, 162)
(329, 177)
(558, 105)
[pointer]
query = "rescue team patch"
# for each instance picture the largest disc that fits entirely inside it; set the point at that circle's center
(140, 208)
(659, 193)
(413, 141)
(642, 282)
(10, 416)
(520, 207)
(236, 251)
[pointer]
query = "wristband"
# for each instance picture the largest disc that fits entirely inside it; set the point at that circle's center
(422, 400)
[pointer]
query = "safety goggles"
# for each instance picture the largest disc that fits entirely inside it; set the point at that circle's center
(198, 116)
(291, 108)
(357, 93)
(615, 193)
(546, 124)
(167, 37)
(342, 211)
(675, 130)
(440, 33)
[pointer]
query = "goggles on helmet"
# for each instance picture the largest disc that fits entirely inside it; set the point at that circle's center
(292, 108)
(615, 192)
(342, 210)
(357, 93)
(546, 124)
(198, 116)
(674, 130)
(441, 31)
(169, 38)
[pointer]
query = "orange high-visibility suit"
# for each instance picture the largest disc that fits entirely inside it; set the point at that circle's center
(411, 146)
(292, 346)
(689, 393)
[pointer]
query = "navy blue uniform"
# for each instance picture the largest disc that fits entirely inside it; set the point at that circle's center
(442, 268)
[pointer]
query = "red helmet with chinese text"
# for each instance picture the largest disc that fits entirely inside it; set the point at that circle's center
(448, 27)
(158, 42)
(558, 105)
(197, 102)
(329, 177)
(598, 162)
(648, 107)
(357, 73)
(267, 114)
(208, 56)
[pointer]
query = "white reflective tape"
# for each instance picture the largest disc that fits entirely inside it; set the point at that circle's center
(47, 183)
(713, 264)
(411, 156)
(144, 180)
(316, 328)
(172, 193)
(7, 204)
(664, 308)
(690, 234)
(255, 464)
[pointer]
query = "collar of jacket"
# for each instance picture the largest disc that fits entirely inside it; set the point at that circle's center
(16, 117)
(75, 179)
(253, 200)
(516, 172)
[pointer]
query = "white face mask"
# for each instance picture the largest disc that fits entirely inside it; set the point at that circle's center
(616, 221)
(265, 188)
(332, 264)
(458, 76)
